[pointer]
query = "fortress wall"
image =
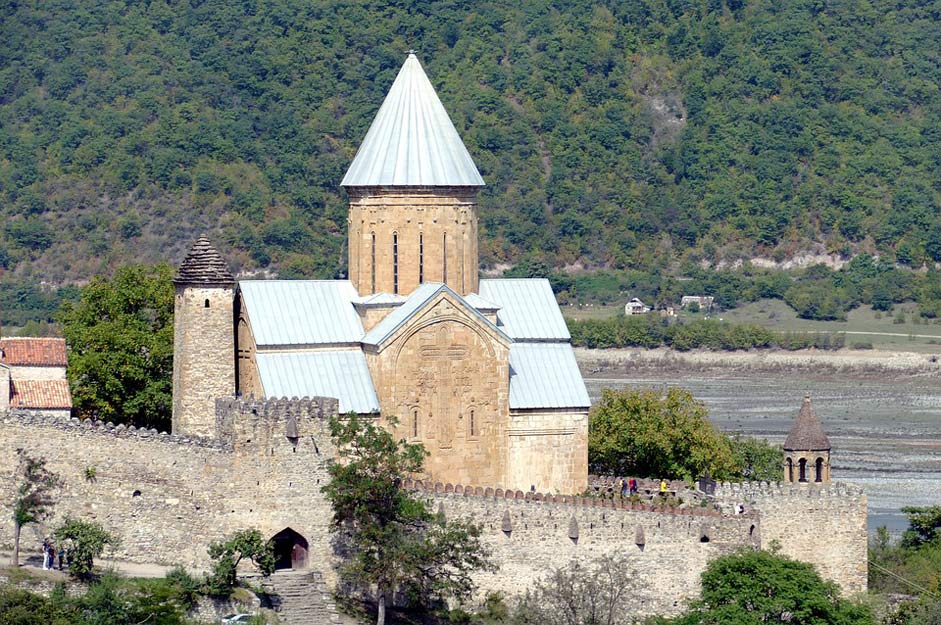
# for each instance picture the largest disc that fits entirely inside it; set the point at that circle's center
(194, 491)
(665, 569)
(191, 491)
(823, 524)
(173, 511)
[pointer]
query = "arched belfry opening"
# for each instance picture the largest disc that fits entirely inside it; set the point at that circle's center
(290, 550)
(807, 447)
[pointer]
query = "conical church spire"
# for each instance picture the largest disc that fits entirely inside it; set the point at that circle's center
(412, 141)
(203, 266)
(807, 433)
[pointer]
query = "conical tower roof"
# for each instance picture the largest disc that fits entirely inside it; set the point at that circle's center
(412, 141)
(807, 433)
(203, 266)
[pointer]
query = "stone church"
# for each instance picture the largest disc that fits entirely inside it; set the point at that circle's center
(480, 371)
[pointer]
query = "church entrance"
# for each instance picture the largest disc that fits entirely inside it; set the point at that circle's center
(290, 550)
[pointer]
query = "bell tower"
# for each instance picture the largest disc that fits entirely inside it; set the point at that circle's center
(413, 195)
(807, 449)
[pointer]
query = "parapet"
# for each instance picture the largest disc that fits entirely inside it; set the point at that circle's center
(235, 414)
(96, 427)
(751, 491)
(498, 494)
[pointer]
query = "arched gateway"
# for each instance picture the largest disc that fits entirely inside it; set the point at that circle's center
(290, 549)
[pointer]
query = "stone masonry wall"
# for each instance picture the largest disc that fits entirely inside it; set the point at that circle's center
(203, 356)
(823, 524)
(445, 376)
(421, 217)
(531, 534)
(167, 497)
(548, 450)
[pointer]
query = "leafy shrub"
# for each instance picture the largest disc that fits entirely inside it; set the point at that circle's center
(84, 541)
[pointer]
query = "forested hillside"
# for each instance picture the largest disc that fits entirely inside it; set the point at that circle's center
(611, 134)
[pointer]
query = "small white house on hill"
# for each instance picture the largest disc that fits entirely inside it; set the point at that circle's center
(635, 307)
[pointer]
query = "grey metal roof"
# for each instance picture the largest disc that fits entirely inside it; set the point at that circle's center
(480, 303)
(379, 299)
(337, 373)
(528, 310)
(545, 375)
(415, 302)
(301, 312)
(412, 141)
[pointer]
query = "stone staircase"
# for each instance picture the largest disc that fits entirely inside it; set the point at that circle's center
(301, 598)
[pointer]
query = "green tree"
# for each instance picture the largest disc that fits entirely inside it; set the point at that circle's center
(395, 542)
(758, 587)
(84, 541)
(656, 434)
(33, 501)
(120, 338)
(924, 525)
(757, 459)
(227, 554)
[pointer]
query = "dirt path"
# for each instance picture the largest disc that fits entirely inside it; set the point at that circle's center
(906, 334)
(130, 569)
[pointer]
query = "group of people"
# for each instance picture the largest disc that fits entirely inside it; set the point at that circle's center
(49, 554)
(628, 488)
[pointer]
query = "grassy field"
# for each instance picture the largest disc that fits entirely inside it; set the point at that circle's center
(899, 330)
(591, 311)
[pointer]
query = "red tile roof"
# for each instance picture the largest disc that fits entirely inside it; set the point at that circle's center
(40, 394)
(35, 352)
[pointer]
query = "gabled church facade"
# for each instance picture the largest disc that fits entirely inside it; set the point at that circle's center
(482, 372)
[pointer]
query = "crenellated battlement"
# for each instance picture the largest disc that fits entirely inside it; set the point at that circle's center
(770, 490)
(240, 419)
(498, 495)
(97, 427)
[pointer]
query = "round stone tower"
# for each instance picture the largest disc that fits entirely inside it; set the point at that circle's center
(413, 195)
(203, 344)
(807, 448)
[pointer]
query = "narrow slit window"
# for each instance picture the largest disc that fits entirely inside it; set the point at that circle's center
(444, 261)
(373, 263)
(206, 304)
(395, 263)
(472, 423)
(414, 422)
(421, 258)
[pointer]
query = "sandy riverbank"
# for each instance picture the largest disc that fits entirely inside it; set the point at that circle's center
(844, 361)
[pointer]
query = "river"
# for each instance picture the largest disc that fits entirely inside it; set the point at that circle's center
(885, 430)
